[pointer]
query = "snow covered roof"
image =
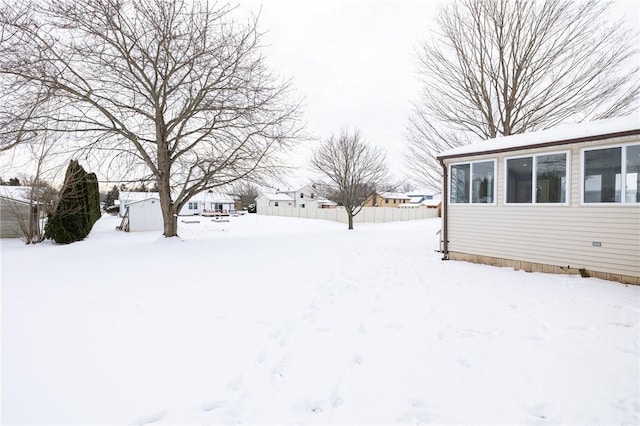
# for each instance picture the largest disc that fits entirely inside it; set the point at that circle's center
(212, 197)
(431, 203)
(426, 203)
(574, 133)
(16, 193)
(129, 197)
(204, 196)
(277, 197)
(327, 202)
(152, 199)
(392, 195)
(422, 193)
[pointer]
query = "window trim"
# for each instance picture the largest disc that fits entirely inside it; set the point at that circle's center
(534, 178)
(470, 202)
(623, 171)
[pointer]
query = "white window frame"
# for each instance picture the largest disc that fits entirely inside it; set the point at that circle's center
(193, 205)
(534, 178)
(623, 172)
(470, 202)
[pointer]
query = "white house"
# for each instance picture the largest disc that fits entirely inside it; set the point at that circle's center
(562, 200)
(273, 200)
(304, 197)
(208, 202)
(143, 215)
(201, 203)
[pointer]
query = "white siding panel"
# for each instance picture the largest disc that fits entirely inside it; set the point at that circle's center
(556, 236)
(9, 213)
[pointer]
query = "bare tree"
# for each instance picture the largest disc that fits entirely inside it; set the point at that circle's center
(247, 191)
(501, 67)
(353, 169)
(172, 90)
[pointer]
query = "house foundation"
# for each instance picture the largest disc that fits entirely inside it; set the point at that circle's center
(520, 265)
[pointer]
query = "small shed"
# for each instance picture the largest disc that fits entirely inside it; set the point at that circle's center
(125, 198)
(143, 215)
(16, 211)
(563, 200)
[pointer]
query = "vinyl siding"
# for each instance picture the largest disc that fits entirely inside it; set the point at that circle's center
(561, 235)
(9, 225)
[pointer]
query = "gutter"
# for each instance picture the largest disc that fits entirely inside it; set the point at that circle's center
(445, 208)
(592, 138)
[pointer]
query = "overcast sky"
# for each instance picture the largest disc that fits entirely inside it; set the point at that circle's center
(354, 62)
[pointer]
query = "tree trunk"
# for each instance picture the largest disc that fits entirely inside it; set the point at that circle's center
(170, 219)
(350, 216)
(169, 211)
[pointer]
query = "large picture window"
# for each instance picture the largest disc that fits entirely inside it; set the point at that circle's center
(473, 182)
(537, 179)
(612, 175)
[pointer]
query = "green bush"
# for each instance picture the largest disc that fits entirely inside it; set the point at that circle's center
(78, 208)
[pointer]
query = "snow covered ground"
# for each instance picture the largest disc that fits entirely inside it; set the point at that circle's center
(268, 320)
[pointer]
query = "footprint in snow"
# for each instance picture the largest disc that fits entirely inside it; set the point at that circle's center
(622, 324)
(313, 407)
(210, 406)
(629, 404)
(393, 326)
(277, 377)
(464, 362)
(261, 358)
(358, 359)
(419, 414)
(336, 400)
(235, 384)
(543, 413)
(153, 418)
(469, 332)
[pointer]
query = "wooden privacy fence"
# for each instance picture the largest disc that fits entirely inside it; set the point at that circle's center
(366, 215)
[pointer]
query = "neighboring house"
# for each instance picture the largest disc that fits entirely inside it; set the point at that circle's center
(562, 200)
(274, 200)
(304, 197)
(143, 215)
(202, 203)
(386, 199)
(208, 202)
(416, 197)
(16, 211)
(432, 202)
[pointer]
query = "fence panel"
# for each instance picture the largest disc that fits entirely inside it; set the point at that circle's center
(366, 215)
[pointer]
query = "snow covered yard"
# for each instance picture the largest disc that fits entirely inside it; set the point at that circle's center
(267, 320)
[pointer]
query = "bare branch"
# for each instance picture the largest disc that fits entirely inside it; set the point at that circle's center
(501, 67)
